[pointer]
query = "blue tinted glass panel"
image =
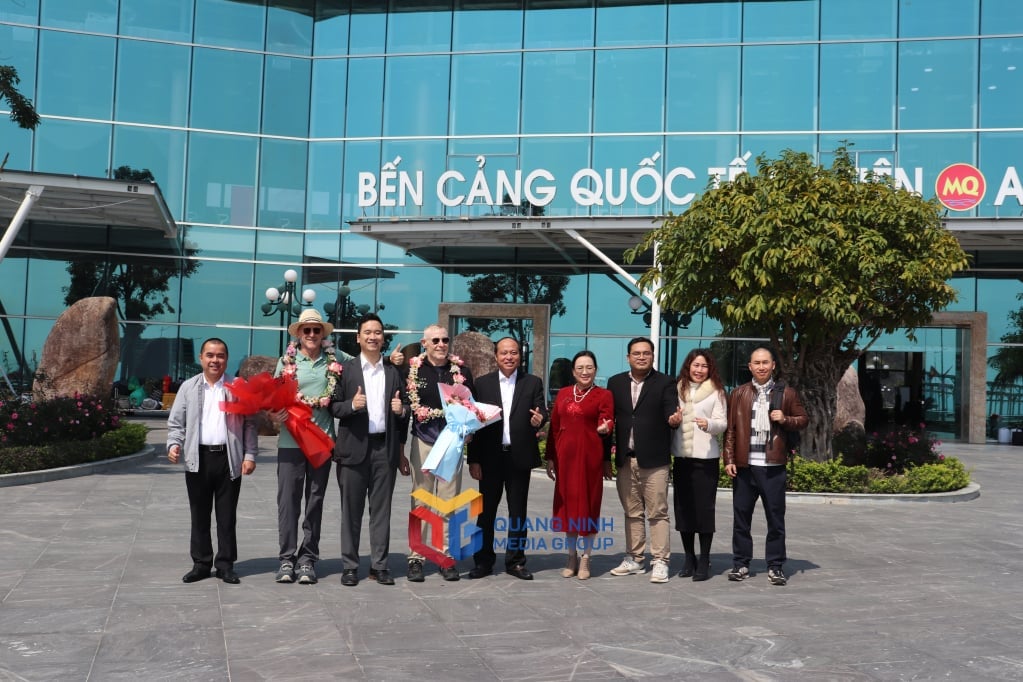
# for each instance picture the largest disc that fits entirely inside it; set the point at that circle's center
(46, 281)
(1001, 298)
(286, 100)
(13, 273)
(1000, 16)
(368, 27)
(573, 319)
(359, 157)
(857, 86)
(561, 158)
(272, 245)
(330, 32)
(497, 28)
(629, 91)
(19, 11)
(226, 89)
(160, 20)
(162, 152)
(493, 189)
(779, 87)
(321, 248)
(570, 26)
(289, 27)
(485, 93)
(416, 155)
(609, 313)
(226, 23)
(626, 24)
(1000, 155)
(937, 84)
(71, 147)
(152, 83)
(217, 242)
(221, 179)
(282, 172)
(365, 109)
(410, 299)
(324, 201)
(702, 157)
(631, 171)
(330, 83)
(923, 156)
(98, 15)
(419, 31)
(862, 19)
(231, 305)
(416, 93)
(774, 145)
(76, 75)
(703, 89)
(938, 18)
(556, 92)
(1001, 82)
(17, 145)
(704, 22)
(779, 20)
(489, 147)
(19, 51)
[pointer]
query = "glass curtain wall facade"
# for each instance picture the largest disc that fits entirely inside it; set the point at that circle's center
(257, 119)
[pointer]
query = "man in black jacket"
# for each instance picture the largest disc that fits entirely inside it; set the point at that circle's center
(502, 455)
(646, 410)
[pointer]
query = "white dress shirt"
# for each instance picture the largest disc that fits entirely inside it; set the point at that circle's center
(376, 401)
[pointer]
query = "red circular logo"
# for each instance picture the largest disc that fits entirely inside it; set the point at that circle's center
(960, 187)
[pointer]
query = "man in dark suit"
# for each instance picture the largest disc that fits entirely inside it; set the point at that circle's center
(502, 455)
(646, 411)
(372, 411)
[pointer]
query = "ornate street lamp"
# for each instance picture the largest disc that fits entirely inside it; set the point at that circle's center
(281, 301)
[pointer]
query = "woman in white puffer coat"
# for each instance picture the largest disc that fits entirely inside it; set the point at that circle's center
(701, 397)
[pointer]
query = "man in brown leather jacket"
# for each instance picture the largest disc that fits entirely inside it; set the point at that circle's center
(755, 456)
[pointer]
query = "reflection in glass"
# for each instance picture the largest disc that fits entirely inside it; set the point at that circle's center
(926, 68)
(703, 89)
(629, 91)
(76, 75)
(286, 97)
(227, 23)
(160, 20)
(282, 166)
(569, 24)
(778, 87)
(226, 89)
(556, 92)
(416, 94)
(70, 147)
(152, 83)
(221, 179)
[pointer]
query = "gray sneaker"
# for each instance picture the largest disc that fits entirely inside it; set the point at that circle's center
(776, 576)
(738, 574)
(306, 575)
(286, 573)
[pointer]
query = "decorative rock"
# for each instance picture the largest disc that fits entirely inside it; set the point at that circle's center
(477, 350)
(849, 407)
(251, 366)
(81, 352)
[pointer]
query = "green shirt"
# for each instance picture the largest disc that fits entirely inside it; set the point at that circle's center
(312, 382)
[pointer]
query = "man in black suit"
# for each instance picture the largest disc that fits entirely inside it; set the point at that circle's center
(372, 411)
(502, 455)
(646, 411)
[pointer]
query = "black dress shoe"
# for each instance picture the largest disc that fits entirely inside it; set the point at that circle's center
(415, 571)
(477, 572)
(383, 576)
(228, 576)
(702, 571)
(196, 574)
(450, 574)
(688, 567)
(520, 572)
(350, 577)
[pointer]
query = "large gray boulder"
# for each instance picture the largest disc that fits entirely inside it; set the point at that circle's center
(477, 350)
(849, 407)
(81, 352)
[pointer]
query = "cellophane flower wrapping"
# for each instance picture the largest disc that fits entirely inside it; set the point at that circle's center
(463, 416)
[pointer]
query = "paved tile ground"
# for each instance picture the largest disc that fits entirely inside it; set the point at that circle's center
(90, 589)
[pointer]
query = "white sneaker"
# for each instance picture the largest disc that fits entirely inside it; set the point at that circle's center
(660, 572)
(628, 567)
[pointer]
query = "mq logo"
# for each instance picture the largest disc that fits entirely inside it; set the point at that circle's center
(960, 187)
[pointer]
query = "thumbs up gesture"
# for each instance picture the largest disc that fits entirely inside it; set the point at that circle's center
(359, 400)
(396, 406)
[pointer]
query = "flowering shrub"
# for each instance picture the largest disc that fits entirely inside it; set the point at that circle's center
(75, 418)
(901, 448)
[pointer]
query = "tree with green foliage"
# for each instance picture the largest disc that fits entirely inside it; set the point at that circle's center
(819, 261)
(23, 112)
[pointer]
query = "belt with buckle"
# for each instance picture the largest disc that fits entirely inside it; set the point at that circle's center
(218, 449)
(506, 448)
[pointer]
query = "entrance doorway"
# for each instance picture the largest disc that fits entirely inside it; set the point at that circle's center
(527, 322)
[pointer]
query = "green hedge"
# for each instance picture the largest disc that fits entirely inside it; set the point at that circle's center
(124, 440)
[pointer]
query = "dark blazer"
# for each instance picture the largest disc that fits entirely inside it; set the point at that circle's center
(352, 444)
(657, 401)
(485, 446)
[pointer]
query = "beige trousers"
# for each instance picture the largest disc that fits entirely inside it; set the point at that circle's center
(426, 481)
(644, 497)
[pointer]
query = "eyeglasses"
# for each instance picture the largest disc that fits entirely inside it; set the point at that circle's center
(440, 340)
(641, 354)
(309, 331)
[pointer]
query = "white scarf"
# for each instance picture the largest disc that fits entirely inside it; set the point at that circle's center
(762, 410)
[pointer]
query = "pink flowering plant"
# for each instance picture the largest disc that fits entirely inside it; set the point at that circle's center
(74, 418)
(901, 448)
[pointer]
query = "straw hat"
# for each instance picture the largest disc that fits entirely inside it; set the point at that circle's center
(310, 316)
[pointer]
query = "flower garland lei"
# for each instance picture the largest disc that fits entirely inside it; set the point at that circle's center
(421, 412)
(334, 370)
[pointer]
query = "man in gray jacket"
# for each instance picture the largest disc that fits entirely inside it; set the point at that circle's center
(218, 448)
